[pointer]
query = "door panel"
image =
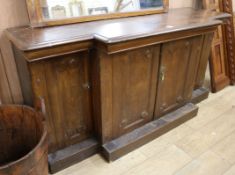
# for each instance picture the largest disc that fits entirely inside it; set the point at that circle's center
(134, 88)
(64, 84)
(178, 68)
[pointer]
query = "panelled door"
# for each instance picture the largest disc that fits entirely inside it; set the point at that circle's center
(134, 77)
(177, 75)
(64, 84)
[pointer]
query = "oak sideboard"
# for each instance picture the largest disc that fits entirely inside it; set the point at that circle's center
(111, 86)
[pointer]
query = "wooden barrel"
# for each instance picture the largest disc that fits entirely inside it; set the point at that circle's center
(23, 141)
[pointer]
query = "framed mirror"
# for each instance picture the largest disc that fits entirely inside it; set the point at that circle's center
(59, 12)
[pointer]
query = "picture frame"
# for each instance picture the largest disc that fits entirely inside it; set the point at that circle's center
(36, 11)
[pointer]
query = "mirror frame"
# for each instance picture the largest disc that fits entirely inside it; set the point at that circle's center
(36, 16)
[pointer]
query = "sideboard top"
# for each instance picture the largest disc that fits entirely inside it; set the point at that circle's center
(115, 30)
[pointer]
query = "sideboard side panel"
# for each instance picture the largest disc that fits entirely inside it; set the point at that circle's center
(203, 60)
(39, 88)
(106, 96)
(194, 59)
(24, 76)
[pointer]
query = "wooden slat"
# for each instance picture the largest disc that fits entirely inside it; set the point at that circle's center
(117, 148)
(199, 95)
(72, 155)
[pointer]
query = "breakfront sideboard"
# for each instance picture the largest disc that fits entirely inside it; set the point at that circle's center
(114, 85)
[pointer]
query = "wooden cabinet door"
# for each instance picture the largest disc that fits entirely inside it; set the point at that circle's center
(134, 79)
(64, 84)
(178, 68)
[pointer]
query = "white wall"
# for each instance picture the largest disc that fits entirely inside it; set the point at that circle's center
(234, 5)
(181, 3)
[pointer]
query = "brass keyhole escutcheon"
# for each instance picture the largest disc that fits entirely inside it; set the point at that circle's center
(86, 86)
(162, 73)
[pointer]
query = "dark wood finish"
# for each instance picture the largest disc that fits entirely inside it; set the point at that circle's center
(100, 85)
(133, 140)
(121, 46)
(201, 71)
(64, 83)
(200, 95)
(178, 69)
(73, 154)
(23, 143)
(113, 106)
(131, 78)
(133, 100)
(175, 20)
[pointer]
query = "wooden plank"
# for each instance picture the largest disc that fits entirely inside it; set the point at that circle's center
(71, 155)
(133, 140)
(199, 95)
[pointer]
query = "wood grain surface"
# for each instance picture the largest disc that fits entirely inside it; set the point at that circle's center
(23, 144)
(124, 29)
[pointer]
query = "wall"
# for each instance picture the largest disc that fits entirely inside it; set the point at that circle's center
(12, 13)
(233, 5)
